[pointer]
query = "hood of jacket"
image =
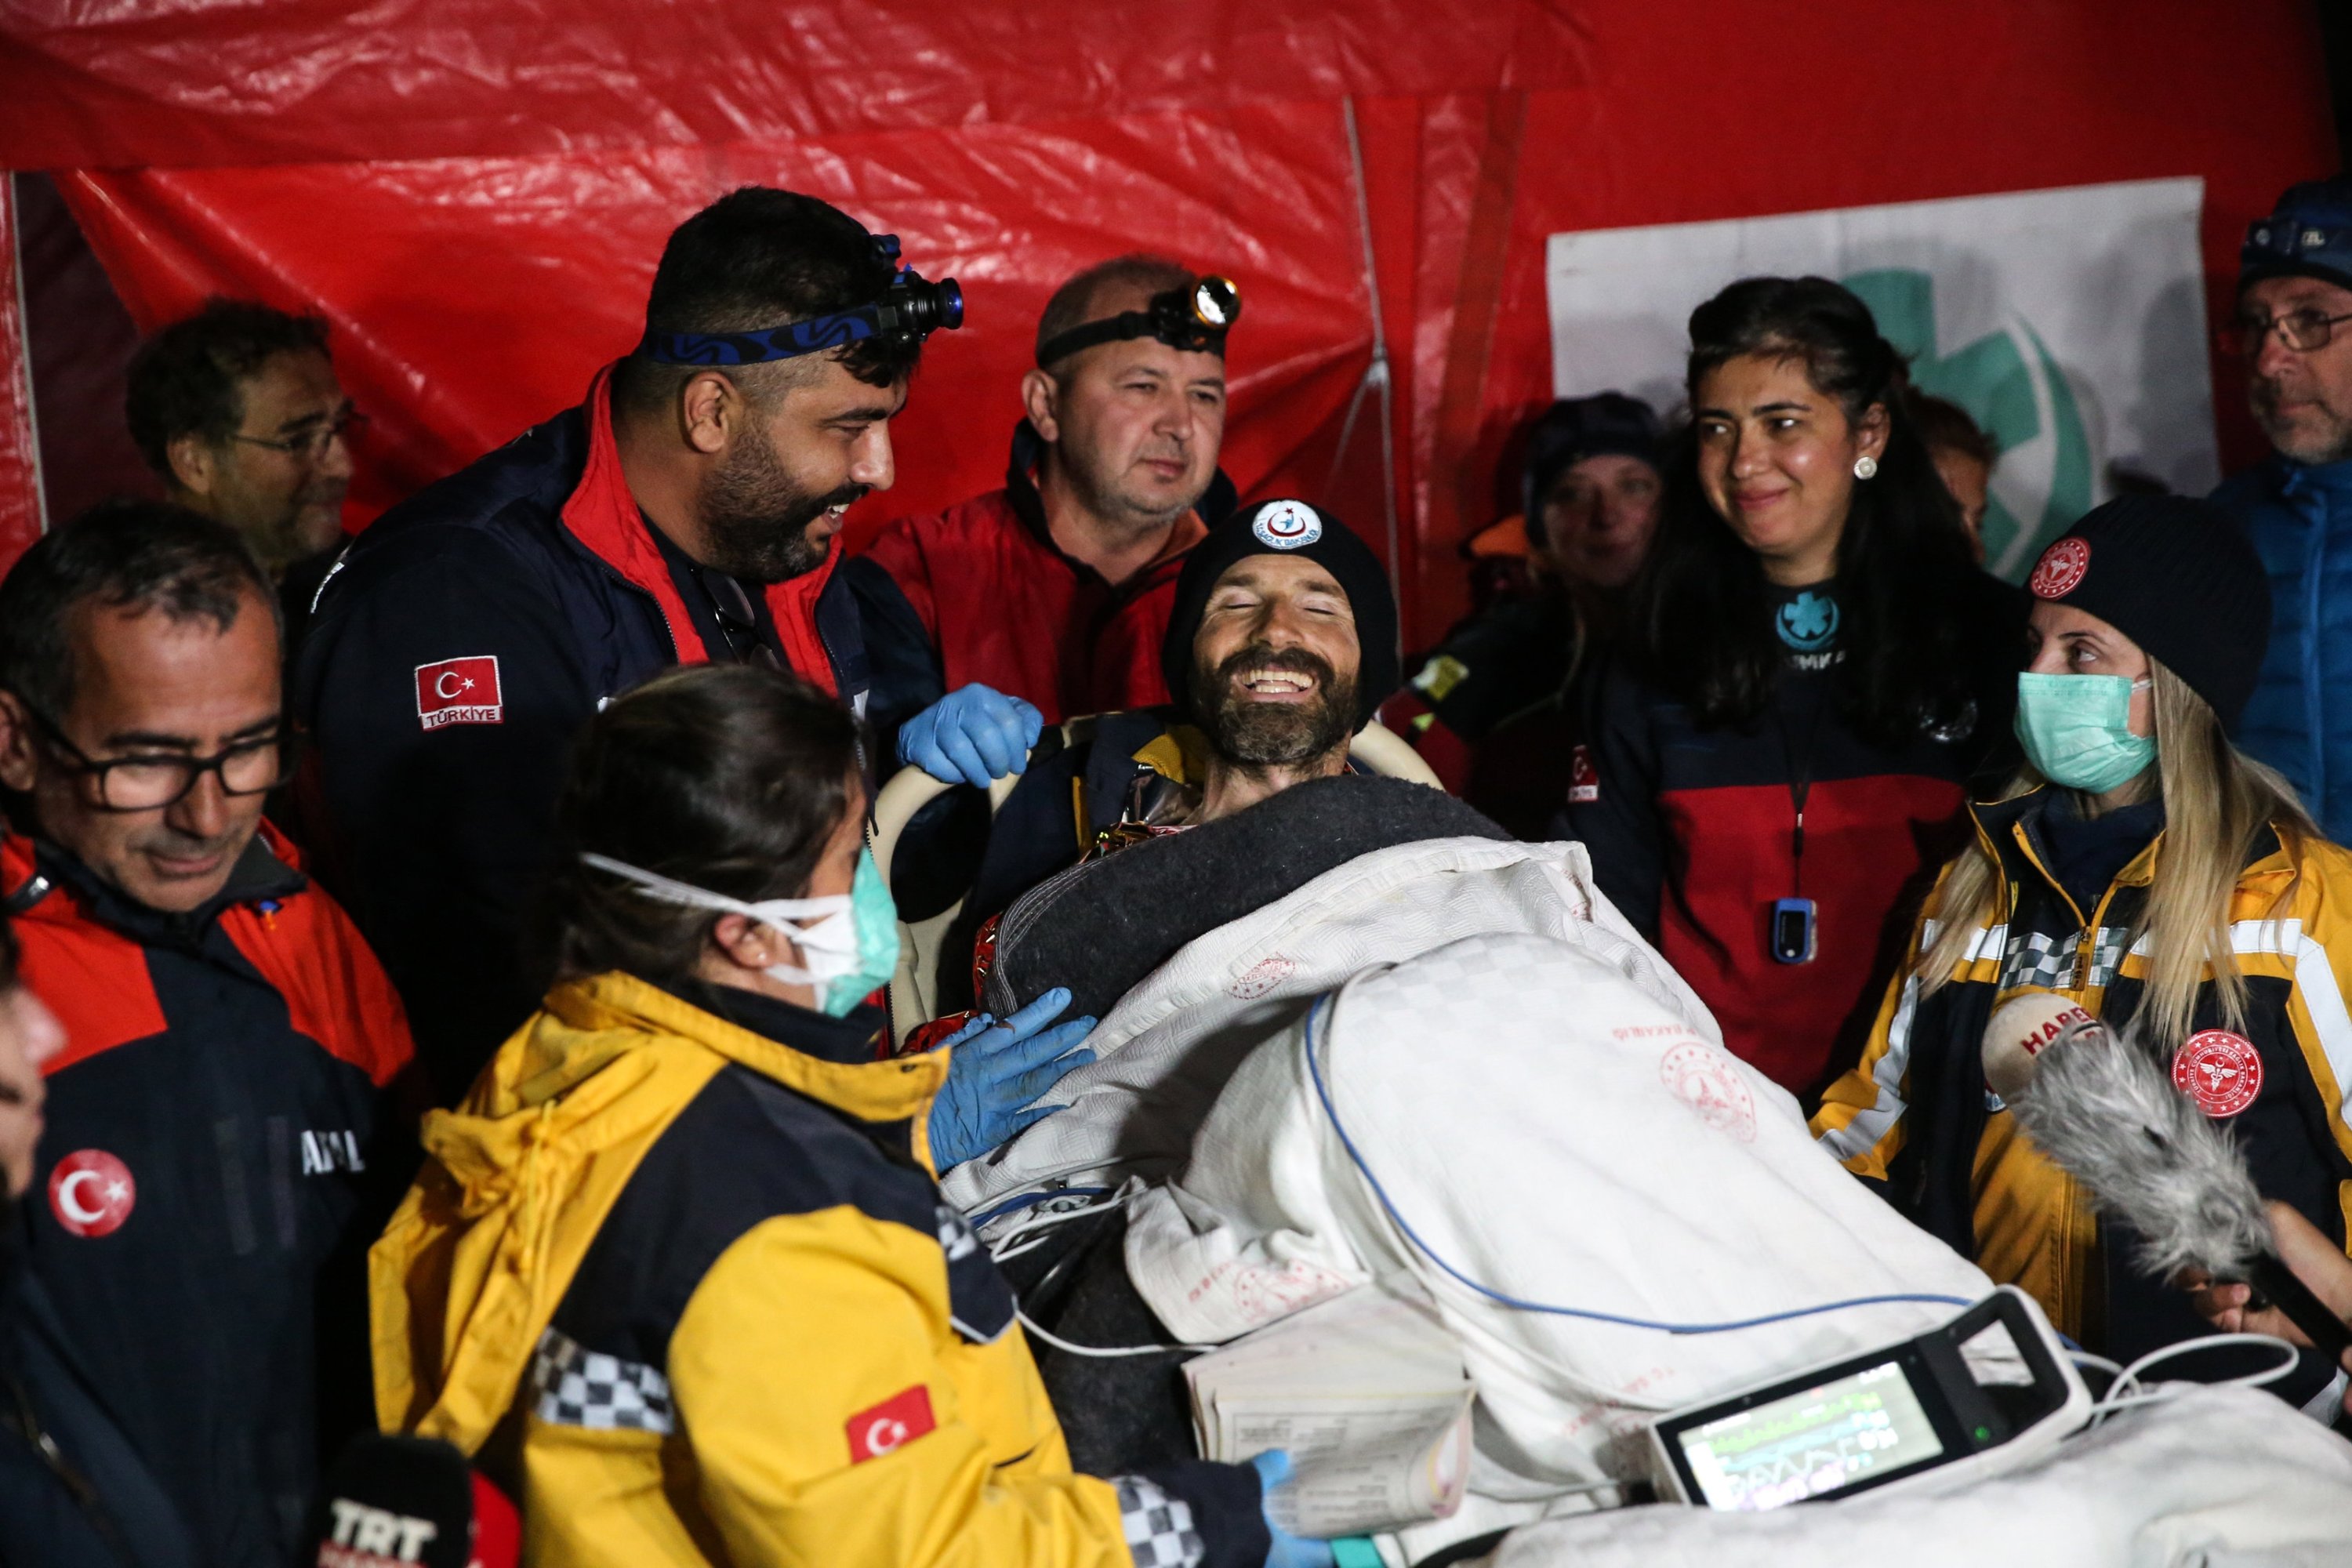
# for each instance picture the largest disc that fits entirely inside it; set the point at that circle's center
(519, 1178)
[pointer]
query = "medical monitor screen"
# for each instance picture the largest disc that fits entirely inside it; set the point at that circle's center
(1854, 1430)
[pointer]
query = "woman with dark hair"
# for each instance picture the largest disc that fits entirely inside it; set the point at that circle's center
(1812, 668)
(677, 1271)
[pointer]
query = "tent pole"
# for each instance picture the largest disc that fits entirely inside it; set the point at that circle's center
(1376, 373)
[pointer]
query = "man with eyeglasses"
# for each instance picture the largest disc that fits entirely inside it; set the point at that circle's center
(2293, 332)
(224, 1134)
(238, 411)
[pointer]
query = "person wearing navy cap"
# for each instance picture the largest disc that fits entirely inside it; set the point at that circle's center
(2293, 331)
(1491, 710)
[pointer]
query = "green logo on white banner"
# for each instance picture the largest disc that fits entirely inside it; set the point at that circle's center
(2013, 389)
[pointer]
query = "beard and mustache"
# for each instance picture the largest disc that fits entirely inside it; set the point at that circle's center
(756, 517)
(1275, 734)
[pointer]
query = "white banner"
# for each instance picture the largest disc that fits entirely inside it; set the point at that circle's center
(2069, 323)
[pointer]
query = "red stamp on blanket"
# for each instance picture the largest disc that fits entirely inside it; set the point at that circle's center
(1705, 1080)
(1261, 977)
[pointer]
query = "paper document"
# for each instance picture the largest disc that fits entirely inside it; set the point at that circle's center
(1365, 1392)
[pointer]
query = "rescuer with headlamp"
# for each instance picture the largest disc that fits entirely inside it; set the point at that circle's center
(687, 511)
(1048, 598)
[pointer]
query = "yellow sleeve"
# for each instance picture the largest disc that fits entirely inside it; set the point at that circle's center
(1862, 1114)
(812, 1379)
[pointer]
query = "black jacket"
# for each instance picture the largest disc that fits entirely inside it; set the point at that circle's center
(222, 1144)
(439, 806)
(74, 1493)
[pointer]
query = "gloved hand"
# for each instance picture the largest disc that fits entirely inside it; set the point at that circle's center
(996, 1070)
(969, 736)
(1289, 1551)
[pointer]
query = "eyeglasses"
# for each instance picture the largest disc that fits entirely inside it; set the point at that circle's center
(312, 445)
(739, 620)
(152, 781)
(2302, 331)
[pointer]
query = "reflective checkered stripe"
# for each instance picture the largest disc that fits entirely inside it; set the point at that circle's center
(1159, 1532)
(2047, 963)
(1869, 1127)
(571, 1386)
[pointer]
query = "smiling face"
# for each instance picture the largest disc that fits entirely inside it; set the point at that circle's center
(147, 686)
(789, 467)
(1776, 461)
(1276, 661)
(1134, 426)
(287, 504)
(2302, 398)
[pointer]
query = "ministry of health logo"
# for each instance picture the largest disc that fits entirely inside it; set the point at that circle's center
(2010, 385)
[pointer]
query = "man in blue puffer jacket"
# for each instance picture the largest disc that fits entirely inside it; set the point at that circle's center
(2295, 326)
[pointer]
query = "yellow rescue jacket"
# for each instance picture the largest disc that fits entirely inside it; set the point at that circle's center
(1916, 1112)
(692, 1291)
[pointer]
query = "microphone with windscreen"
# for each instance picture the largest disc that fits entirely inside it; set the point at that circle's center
(2107, 1113)
(410, 1502)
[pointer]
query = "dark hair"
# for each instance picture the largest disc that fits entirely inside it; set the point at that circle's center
(761, 257)
(183, 380)
(147, 554)
(1074, 303)
(1946, 427)
(728, 777)
(1700, 625)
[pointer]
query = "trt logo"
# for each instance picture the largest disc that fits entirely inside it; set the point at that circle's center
(366, 1537)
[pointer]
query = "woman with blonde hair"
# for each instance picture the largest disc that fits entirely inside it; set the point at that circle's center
(2141, 865)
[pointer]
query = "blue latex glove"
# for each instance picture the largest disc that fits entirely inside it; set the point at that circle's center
(1289, 1551)
(996, 1070)
(971, 736)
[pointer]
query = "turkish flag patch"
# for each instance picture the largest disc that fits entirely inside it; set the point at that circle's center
(891, 1425)
(1583, 778)
(459, 691)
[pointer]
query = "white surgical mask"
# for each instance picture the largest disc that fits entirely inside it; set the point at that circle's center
(848, 941)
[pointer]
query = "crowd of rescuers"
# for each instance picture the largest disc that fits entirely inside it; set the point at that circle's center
(684, 1221)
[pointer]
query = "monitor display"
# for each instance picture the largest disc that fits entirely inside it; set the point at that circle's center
(1856, 1428)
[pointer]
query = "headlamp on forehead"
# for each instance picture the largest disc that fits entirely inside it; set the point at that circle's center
(1195, 319)
(910, 311)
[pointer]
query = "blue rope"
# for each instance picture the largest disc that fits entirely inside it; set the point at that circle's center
(1515, 1303)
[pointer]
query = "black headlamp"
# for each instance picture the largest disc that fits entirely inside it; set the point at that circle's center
(1195, 319)
(911, 310)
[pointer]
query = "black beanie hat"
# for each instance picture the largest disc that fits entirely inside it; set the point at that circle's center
(1576, 429)
(2179, 578)
(1287, 528)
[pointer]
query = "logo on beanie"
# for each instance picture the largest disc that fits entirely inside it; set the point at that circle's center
(1287, 525)
(2061, 568)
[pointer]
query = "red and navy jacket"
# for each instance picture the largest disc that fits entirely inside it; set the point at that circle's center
(1690, 831)
(982, 592)
(453, 656)
(224, 1141)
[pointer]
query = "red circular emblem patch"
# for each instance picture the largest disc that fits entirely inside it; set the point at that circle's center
(2220, 1071)
(91, 1193)
(2061, 567)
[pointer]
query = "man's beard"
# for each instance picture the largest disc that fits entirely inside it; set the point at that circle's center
(1275, 734)
(2330, 444)
(756, 517)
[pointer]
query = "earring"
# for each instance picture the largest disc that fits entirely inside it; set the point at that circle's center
(1865, 467)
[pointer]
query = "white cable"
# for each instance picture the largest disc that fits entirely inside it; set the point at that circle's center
(1003, 1249)
(1060, 1343)
(2126, 1394)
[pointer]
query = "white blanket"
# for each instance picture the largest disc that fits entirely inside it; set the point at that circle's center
(1552, 1127)
(1167, 1049)
(2219, 1478)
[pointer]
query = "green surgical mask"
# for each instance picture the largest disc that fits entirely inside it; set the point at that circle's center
(2077, 730)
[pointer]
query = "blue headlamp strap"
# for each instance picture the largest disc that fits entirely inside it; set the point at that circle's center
(910, 311)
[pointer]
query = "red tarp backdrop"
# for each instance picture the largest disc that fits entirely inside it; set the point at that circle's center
(474, 192)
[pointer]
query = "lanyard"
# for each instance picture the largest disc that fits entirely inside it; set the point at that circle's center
(1800, 776)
